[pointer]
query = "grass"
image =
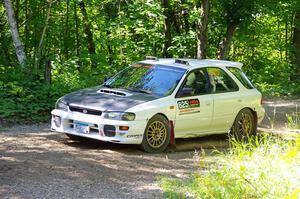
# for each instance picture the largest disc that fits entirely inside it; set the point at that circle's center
(265, 167)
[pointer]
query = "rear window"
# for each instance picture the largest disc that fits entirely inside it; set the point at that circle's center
(221, 82)
(238, 73)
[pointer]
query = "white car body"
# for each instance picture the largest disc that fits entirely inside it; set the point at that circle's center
(214, 113)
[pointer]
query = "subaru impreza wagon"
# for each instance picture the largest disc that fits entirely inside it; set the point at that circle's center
(155, 101)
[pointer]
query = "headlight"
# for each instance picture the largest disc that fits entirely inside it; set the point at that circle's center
(61, 105)
(119, 116)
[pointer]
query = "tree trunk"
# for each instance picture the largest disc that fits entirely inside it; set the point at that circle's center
(87, 29)
(77, 36)
(185, 14)
(26, 31)
(41, 43)
(225, 44)
(48, 68)
(296, 45)
(14, 33)
(167, 27)
(109, 48)
(17, 11)
(286, 41)
(3, 43)
(202, 31)
(66, 36)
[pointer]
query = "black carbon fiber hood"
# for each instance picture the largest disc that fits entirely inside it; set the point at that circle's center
(92, 98)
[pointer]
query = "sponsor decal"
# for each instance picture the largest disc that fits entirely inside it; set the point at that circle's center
(134, 136)
(137, 65)
(194, 103)
(188, 111)
(187, 104)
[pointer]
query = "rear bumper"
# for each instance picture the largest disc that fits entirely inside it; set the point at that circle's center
(96, 124)
(260, 114)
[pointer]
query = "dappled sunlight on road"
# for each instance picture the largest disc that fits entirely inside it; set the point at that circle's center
(35, 162)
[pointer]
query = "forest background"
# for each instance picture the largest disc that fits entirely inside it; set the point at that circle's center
(52, 47)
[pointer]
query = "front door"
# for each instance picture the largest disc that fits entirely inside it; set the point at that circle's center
(194, 105)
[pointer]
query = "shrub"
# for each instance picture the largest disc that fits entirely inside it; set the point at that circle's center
(266, 168)
(27, 98)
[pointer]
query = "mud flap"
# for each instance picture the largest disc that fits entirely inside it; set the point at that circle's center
(172, 136)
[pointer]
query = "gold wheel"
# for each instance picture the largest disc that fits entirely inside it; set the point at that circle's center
(243, 126)
(156, 134)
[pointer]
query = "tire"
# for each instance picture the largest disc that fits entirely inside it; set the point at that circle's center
(157, 135)
(244, 125)
(74, 137)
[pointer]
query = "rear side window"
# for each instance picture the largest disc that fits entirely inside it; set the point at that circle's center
(238, 73)
(220, 81)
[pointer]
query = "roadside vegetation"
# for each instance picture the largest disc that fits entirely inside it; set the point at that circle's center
(265, 167)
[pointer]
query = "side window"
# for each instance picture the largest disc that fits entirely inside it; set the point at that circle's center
(196, 83)
(220, 81)
(238, 73)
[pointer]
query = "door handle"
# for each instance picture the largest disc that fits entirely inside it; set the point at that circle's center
(207, 103)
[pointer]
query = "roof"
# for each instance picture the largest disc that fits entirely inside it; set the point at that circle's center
(192, 63)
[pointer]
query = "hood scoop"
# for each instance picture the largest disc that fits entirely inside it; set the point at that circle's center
(113, 92)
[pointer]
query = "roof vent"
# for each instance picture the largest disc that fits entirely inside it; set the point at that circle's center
(180, 61)
(151, 58)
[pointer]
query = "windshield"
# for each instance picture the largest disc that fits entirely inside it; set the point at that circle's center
(152, 79)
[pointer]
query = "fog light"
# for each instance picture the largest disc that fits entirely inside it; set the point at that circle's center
(57, 120)
(109, 130)
(124, 128)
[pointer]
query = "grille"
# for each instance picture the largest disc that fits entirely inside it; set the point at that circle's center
(85, 110)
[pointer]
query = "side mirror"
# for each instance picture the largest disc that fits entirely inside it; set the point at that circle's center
(184, 92)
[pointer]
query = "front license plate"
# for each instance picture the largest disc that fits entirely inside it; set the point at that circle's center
(82, 128)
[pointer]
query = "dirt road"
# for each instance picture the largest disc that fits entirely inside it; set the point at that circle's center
(38, 163)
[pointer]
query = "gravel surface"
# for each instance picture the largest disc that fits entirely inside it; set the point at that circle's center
(38, 163)
(276, 110)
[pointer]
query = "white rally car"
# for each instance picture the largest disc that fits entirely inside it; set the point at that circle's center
(154, 101)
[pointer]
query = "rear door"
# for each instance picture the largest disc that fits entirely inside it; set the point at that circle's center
(194, 105)
(226, 97)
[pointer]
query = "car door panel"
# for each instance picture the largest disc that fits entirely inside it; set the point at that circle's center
(191, 119)
(194, 112)
(226, 107)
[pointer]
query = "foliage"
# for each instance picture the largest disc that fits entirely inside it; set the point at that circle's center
(263, 168)
(24, 99)
(126, 31)
(293, 120)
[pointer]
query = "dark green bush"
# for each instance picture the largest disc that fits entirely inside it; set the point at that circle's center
(25, 98)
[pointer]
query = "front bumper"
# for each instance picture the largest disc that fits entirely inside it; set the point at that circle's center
(96, 124)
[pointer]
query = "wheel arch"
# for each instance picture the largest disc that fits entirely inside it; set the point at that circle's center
(171, 124)
(148, 147)
(162, 115)
(254, 113)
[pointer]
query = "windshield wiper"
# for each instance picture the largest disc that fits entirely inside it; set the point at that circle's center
(107, 86)
(139, 90)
